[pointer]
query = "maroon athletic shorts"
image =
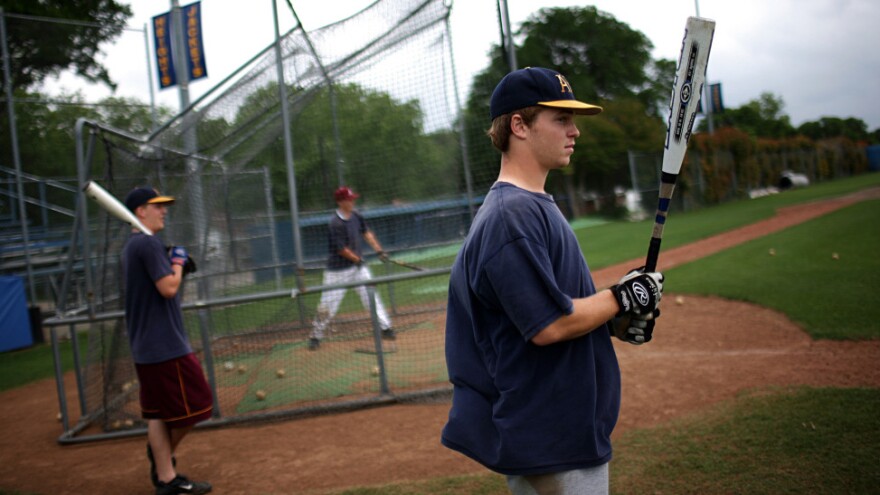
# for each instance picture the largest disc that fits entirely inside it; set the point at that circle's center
(175, 391)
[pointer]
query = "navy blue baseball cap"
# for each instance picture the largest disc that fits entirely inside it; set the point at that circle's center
(140, 196)
(536, 86)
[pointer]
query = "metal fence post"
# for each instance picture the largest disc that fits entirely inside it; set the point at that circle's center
(377, 337)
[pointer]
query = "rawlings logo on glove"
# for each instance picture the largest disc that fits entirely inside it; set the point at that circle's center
(641, 293)
(638, 293)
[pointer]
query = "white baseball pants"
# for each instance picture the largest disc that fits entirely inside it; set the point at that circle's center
(331, 299)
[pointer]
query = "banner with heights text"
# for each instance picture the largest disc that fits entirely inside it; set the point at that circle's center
(164, 55)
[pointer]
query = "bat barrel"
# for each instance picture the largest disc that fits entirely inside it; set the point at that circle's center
(113, 206)
(687, 88)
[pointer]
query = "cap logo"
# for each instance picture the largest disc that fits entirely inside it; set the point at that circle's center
(564, 86)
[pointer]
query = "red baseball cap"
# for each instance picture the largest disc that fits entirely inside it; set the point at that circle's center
(345, 193)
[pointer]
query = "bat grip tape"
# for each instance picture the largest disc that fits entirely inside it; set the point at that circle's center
(653, 254)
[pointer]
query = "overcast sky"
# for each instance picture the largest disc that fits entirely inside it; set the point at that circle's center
(821, 56)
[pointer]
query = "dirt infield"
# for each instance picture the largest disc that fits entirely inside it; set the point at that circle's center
(705, 350)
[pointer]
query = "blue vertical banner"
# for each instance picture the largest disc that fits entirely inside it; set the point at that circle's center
(164, 57)
(195, 50)
(715, 97)
(717, 103)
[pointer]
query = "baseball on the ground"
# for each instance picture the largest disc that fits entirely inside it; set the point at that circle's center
(242, 369)
(835, 256)
(261, 394)
(772, 252)
(228, 366)
(375, 371)
(279, 372)
(679, 300)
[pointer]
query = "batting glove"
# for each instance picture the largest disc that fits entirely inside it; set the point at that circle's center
(635, 330)
(178, 255)
(383, 256)
(189, 266)
(638, 293)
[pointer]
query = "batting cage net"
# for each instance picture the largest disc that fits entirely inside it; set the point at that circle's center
(370, 104)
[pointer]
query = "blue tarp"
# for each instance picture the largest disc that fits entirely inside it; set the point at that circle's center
(15, 324)
(873, 152)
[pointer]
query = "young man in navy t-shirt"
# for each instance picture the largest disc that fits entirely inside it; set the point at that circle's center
(174, 394)
(536, 384)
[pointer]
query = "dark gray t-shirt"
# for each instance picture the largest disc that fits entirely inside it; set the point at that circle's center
(345, 234)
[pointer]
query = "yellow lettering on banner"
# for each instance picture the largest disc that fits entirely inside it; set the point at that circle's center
(564, 87)
(163, 51)
(192, 34)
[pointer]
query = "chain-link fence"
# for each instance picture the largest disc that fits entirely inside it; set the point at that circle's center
(369, 105)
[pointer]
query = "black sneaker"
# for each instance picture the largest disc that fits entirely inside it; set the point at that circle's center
(182, 484)
(314, 344)
(154, 477)
(389, 334)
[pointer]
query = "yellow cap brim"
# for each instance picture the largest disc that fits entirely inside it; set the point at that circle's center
(161, 199)
(577, 107)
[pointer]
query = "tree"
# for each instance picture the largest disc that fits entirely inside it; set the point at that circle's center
(763, 117)
(47, 144)
(38, 49)
(603, 58)
(130, 115)
(608, 63)
(45, 133)
(827, 127)
(385, 153)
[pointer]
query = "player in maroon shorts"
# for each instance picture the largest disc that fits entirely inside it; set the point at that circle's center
(174, 394)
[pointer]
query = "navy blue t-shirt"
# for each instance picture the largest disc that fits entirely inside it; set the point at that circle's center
(344, 233)
(154, 323)
(519, 408)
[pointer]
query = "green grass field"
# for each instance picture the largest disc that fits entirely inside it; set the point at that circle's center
(611, 243)
(779, 441)
(791, 441)
(23, 366)
(821, 273)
